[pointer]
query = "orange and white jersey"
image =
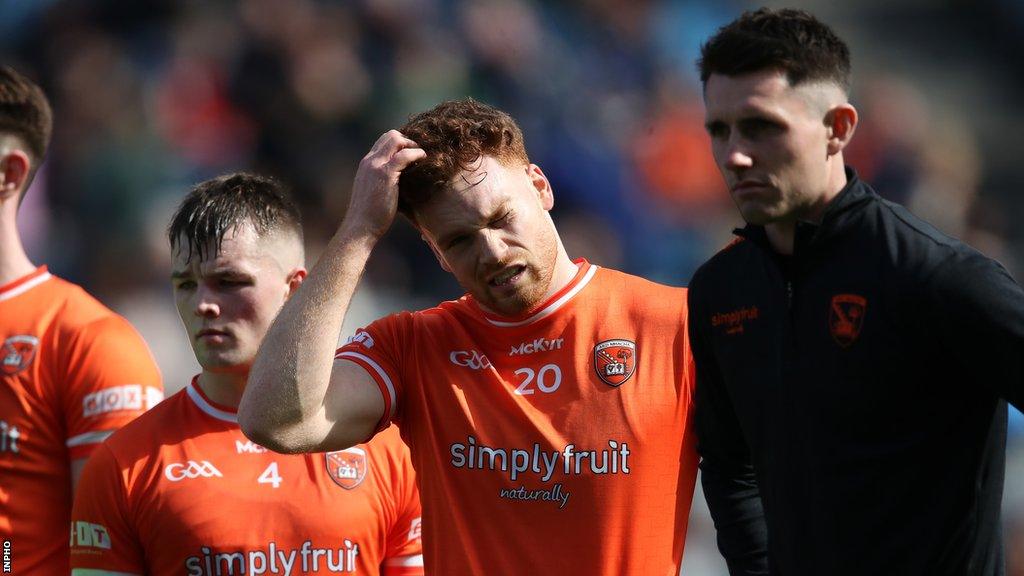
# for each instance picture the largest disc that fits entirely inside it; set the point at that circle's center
(559, 442)
(182, 491)
(71, 372)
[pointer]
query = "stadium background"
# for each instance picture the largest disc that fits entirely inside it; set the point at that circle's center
(151, 97)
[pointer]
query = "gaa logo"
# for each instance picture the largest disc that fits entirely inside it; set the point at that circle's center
(347, 467)
(615, 361)
(177, 472)
(17, 353)
(471, 359)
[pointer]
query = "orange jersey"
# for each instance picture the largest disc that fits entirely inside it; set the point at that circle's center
(182, 491)
(71, 372)
(555, 443)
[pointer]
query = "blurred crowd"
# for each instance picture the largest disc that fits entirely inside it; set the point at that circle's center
(151, 97)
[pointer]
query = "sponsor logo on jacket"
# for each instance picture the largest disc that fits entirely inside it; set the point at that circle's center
(734, 322)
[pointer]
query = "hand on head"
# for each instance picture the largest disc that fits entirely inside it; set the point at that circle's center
(374, 199)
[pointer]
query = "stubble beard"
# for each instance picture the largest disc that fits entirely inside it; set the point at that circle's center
(534, 284)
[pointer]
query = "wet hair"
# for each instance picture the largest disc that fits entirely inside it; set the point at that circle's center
(214, 207)
(455, 135)
(792, 41)
(25, 112)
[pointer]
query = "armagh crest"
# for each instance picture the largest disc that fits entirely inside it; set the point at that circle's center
(17, 353)
(347, 467)
(615, 361)
(845, 318)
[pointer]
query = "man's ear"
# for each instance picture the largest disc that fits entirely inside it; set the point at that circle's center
(295, 278)
(437, 253)
(841, 123)
(541, 185)
(15, 166)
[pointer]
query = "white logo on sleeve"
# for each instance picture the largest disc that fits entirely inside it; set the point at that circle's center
(362, 337)
(415, 529)
(471, 359)
(9, 435)
(116, 398)
(89, 535)
(177, 472)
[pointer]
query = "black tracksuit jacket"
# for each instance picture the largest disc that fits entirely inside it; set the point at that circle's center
(851, 412)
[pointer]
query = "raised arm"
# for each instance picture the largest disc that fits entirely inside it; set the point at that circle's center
(298, 399)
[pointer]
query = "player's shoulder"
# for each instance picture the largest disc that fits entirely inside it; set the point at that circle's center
(632, 297)
(80, 312)
(158, 426)
(723, 261)
(624, 283)
(389, 443)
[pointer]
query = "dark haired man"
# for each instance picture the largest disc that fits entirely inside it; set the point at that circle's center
(179, 490)
(547, 410)
(71, 371)
(853, 362)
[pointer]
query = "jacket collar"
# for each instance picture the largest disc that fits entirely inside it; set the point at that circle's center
(839, 214)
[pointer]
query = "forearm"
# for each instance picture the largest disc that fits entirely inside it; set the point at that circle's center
(283, 407)
(735, 505)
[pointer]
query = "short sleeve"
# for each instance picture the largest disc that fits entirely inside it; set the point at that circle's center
(110, 378)
(379, 349)
(103, 536)
(404, 552)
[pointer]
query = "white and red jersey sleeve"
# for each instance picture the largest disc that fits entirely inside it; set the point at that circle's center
(103, 533)
(378, 348)
(111, 378)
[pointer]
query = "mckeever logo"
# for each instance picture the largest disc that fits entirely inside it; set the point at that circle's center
(248, 447)
(538, 345)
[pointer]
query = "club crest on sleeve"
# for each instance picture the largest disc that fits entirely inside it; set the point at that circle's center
(347, 467)
(845, 318)
(17, 353)
(615, 361)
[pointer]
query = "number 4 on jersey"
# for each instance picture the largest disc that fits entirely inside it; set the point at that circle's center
(270, 476)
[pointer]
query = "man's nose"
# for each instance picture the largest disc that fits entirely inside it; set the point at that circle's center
(206, 304)
(738, 155)
(493, 246)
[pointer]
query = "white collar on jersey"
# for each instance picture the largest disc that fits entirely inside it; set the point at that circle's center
(573, 288)
(206, 406)
(26, 283)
